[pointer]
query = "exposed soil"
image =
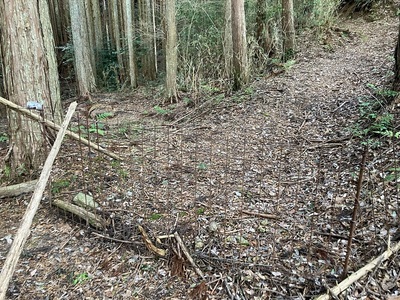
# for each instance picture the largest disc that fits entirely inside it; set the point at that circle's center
(260, 186)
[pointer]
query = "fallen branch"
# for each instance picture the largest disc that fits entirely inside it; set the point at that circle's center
(28, 113)
(24, 229)
(267, 216)
(187, 254)
(359, 274)
(17, 189)
(149, 244)
(82, 213)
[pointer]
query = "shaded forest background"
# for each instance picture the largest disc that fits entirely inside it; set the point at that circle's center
(201, 31)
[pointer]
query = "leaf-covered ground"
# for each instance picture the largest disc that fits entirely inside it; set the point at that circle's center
(259, 185)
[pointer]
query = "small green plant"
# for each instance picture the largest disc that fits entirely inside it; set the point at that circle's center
(98, 128)
(210, 88)
(3, 137)
(161, 111)
(57, 186)
(202, 166)
(123, 129)
(373, 123)
(81, 278)
(183, 213)
(289, 64)
(386, 93)
(104, 115)
(200, 211)
(7, 171)
(187, 101)
(155, 217)
(123, 174)
(249, 90)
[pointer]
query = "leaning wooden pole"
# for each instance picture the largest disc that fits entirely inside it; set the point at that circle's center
(334, 292)
(24, 229)
(55, 126)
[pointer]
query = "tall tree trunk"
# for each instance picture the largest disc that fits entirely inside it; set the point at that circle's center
(263, 35)
(90, 33)
(171, 62)
(288, 30)
(117, 36)
(228, 38)
(98, 32)
(130, 35)
(396, 82)
(240, 64)
(85, 76)
(29, 70)
(149, 67)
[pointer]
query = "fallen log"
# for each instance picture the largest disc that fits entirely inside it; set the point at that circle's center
(91, 218)
(24, 229)
(17, 189)
(28, 113)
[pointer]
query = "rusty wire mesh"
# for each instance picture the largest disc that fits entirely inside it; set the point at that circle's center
(247, 202)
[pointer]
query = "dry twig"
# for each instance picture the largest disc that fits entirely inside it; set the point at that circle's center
(186, 252)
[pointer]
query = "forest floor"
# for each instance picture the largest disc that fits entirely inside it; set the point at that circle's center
(221, 175)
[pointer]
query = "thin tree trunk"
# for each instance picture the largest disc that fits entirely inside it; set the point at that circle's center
(240, 65)
(98, 32)
(65, 20)
(170, 51)
(147, 31)
(396, 82)
(288, 30)
(90, 33)
(263, 35)
(117, 36)
(83, 64)
(29, 74)
(228, 38)
(130, 31)
(50, 63)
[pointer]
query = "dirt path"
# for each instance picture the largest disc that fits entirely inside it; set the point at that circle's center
(320, 93)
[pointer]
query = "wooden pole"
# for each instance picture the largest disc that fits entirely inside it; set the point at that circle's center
(55, 126)
(360, 273)
(24, 229)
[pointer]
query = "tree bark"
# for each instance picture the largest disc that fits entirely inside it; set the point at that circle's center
(51, 65)
(240, 64)
(130, 34)
(149, 67)
(263, 35)
(117, 36)
(396, 82)
(29, 74)
(171, 61)
(98, 32)
(85, 76)
(288, 30)
(228, 38)
(90, 33)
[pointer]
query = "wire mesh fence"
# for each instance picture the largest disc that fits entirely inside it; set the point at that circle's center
(272, 212)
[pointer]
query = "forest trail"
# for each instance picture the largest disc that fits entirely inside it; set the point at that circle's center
(318, 96)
